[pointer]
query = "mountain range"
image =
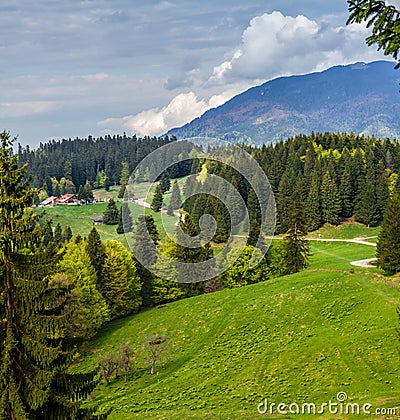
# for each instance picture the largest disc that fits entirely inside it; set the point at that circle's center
(360, 98)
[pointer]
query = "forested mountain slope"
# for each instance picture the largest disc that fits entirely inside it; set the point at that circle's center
(362, 98)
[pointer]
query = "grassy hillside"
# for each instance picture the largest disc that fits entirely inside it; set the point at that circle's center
(300, 338)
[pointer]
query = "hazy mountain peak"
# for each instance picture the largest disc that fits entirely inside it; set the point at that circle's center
(361, 97)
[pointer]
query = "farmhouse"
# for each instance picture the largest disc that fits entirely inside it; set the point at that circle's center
(48, 202)
(66, 199)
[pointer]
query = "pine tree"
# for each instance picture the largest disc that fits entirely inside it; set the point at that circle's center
(123, 178)
(345, 191)
(388, 246)
(365, 209)
(283, 200)
(382, 189)
(48, 237)
(330, 200)
(95, 250)
(176, 199)
(152, 228)
(145, 256)
(234, 203)
(189, 250)
(58, 239)
(85, 192)
(295, 247)
(313, 205)
(124, 219)
(157, 199)
(35, 381)
(110, 216)
(66, 234)
(165, 183)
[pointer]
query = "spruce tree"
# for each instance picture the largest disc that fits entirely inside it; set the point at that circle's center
(111, 215)
(345, 191)
(124, 219)
(313, 205)
(365, 209)
(145, 256)
(152, 228)
(35, 381)
(176, 199)
(123, 178)
(181, 251)
(295, 247)
(48, 237)
(388, 246)
(165, 183)
(58, 239)
(95, 250)
(330, 200)
(157, 199)
(66, 234)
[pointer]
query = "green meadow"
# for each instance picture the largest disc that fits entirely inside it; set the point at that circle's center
(79, 218)
(299, 339)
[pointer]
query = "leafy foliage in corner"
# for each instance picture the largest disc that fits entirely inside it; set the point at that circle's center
(384, 20)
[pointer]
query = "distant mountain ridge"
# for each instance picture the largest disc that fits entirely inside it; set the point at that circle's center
(362, 98)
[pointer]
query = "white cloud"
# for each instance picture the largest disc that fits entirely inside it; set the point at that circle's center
(95, 77)
(26, 108)
(275, 45)
(153, 122)
(272, 45)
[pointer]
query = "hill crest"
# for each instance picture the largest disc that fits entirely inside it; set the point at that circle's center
(362, 98)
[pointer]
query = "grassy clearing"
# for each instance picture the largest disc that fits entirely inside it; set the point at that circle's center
(300, 338)
(80, 219)
(347, 230)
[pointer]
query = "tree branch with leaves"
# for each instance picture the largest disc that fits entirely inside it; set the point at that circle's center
(384, 20)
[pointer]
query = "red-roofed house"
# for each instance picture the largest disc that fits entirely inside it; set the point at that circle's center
(66, 199)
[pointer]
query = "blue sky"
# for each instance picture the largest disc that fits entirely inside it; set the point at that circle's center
(74, 68)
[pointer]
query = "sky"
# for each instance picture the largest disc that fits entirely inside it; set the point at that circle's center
(95, 67)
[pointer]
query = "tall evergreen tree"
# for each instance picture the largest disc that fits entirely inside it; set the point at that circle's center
(146, 256)
(35, 381)
(165, 183)
(123, 178)
(152, 228)
(95, 250)
(345, 191)
(388, 246)
(295, 247)
(313, 205)
(58, 239)
(124, 219)
(48, 237)
(111, 214)
(365, 209)
(66, 234)
(330, 200)
(85, 192)
(176, 199)
(181, 251)
(157, 199)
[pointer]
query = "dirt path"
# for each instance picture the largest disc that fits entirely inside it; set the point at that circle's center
(364, 263)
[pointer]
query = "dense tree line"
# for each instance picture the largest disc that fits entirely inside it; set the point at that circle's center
(77, 165)
(337, 176)
(36, 347)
